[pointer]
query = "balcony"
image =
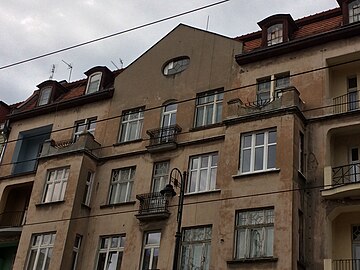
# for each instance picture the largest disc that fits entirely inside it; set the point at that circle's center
(84, 143)
(342, 181)
(153, 206)
(346, 103)
(346, 264)
(163, 139)
(12, 219)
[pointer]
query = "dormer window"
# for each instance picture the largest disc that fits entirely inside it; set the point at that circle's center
(275, 34)
(45, 96)
(94, 83)
(354, 11)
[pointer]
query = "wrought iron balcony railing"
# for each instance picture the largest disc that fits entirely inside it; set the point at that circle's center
(163, 135)
(348, 264)
(152, 203)
(346, 174)
(347, 102)
(12, 219)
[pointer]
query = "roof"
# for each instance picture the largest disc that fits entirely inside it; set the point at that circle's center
(308, 26)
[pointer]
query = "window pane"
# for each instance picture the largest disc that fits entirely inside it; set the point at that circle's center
(112, 261)
(32, 259)
(272, 136)
(209, 114)
(245, 166)
(259, 140)
(271, 157)
(199, 116)
(259, 158)
(247, 141)
(153, 238)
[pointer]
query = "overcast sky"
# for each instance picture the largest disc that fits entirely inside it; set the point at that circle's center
(29, 28)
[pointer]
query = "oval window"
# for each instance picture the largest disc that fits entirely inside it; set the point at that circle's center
(176, 65)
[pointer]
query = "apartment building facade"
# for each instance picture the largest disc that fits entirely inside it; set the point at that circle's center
(265, 126)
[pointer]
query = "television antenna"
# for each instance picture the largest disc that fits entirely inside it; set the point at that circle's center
(52, 72)
(70, 67)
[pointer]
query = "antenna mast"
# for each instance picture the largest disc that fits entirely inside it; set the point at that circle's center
(69, 67)
(52, 72)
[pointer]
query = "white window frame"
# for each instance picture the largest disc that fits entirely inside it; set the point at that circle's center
(208, 101)
(118, 183)
(354, 11)
(187, 250)
(92, 81)
(88, 188)
(87, 123)
(272, 87)
(160, 175)
(76, 250)
(44, 96)
(134, 116)
(3, 144)
(245, 248)
(38, 245)
(252, 149)
(196, 170)
(153, 247)
(275, 34)
(118, 248)
(60, 177)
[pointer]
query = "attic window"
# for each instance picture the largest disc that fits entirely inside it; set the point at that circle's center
(176, 65)
(354, 11)
(94, 83)
(45, 96)
(275, 34)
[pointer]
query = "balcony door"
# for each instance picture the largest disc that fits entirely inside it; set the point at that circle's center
(356, 247)
(168, 119)
(353, 99)
(354, 171)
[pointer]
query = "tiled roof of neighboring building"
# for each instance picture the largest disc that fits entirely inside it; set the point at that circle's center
(307, 26)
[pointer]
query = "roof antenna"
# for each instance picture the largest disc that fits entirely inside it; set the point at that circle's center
(52, 72)
(207, 23)
(69, 67)
(114, 64)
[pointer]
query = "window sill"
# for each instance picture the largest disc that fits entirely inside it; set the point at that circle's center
(83, 205)
(206, 127)
(116, 204)
(256, 173)
(202, 192)
(253, 260)
(127, 142)
(49, 203)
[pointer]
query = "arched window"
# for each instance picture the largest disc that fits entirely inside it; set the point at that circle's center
(44, 96)
(176, 65)
(93, 83)
(354, 11)
(275, 34)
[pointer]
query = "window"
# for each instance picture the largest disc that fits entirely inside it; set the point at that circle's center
(258, 151)
(84, 125)
(208, 108)
(93, 83)
(202, 173)
(88, 188)
(151, 248)
(122, 181)
(353, 99)
(41, 251)
(275, 34)
(354, 11)
(131, 125)
(196, 245)
(76, 250)
(254, 234)
(3, 140)
(160, 175)
(44, 96)
(270, 87)
(56, 185)
(176, 65)
(111, 252)
(301, 153)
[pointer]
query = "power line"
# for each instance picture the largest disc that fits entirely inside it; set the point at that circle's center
(189, 203)
(113, 35)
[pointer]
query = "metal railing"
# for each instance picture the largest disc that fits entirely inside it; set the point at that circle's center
(346, 264)
(346, 174)
(163, 135)
(151, 203)
(12, 219)
(347, 102)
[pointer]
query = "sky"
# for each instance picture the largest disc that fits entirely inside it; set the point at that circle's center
(36, 27)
